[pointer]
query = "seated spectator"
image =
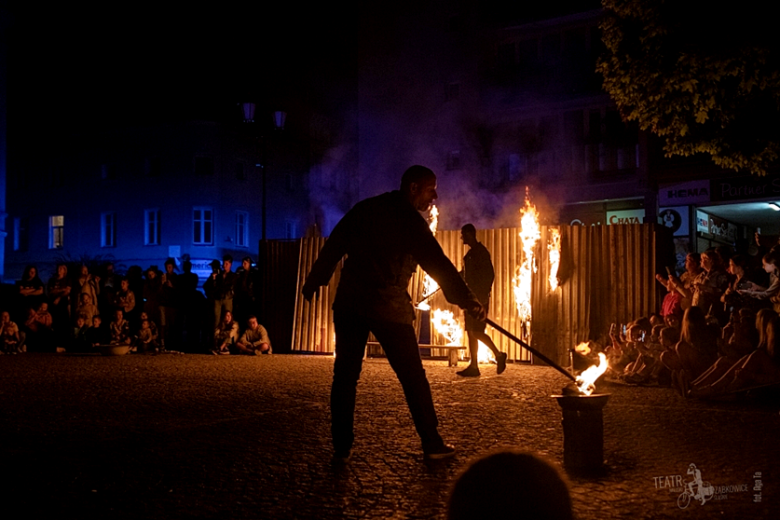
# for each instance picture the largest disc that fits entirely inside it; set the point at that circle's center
(739, 335)
(146, 339)
(672, 303)
(11, 340)
(152, 327)
(723, 364)
(97, 334)
(254, 340)
(226, 334)
(673, 321)
(695, 352)
(761, 367)
(78, 340)
(120, 329)
(86, 307)
(624, 350)
(510, 485)
(732, 299)
(771, 263)
(40, 336)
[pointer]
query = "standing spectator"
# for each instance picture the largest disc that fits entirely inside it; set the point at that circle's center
(87, 283)
(124, 298)
(169, 303)
(151, 293)
(30, 291)
(191, 307)
(254, 340)
(59, 289)
(221, 286)
(109, 285)
(244, 299)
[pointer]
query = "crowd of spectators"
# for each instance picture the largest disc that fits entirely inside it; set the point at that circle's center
(716, 331)
(150, 311)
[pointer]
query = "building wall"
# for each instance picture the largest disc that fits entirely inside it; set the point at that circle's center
(173, 169)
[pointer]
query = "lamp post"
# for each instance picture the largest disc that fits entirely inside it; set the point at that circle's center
(279, 118)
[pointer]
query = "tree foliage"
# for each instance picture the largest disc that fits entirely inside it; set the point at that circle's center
(703, 78)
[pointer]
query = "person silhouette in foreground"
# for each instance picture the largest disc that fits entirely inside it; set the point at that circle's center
(510, 485)
(384, 238)
(478, 273)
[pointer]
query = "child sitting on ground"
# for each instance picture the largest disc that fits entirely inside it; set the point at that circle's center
(146, 340)
(97, 335)
(120, 329)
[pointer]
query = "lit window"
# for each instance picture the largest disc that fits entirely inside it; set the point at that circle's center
(56, 231)
(242, 228)
(152, 227)
(108, 230)
(202, 226)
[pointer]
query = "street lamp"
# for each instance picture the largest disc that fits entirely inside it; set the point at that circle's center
(279, 118)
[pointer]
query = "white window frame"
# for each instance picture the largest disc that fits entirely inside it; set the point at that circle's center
(56, 231)
(108, 229)
(199, 225)
(242, 229)
(152, 227)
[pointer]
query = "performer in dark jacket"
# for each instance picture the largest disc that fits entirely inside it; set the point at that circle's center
(384, 238)
(479, 275)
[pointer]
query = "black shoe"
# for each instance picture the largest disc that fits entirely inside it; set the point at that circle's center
(445, 451)
(501, 362)
(469, 371)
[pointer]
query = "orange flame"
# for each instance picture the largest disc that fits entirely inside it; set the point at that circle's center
(529, 235)
(429, 284)
(587, 379)
(554, 255)
(444, 323)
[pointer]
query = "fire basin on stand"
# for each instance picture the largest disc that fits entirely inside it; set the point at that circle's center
(583, 430)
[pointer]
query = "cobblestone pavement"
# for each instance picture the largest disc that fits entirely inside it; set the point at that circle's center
(189, 436)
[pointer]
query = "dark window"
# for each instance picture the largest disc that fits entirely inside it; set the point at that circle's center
(204, 166)
(240, 171)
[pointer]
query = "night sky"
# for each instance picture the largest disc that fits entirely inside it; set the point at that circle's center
(75, 67)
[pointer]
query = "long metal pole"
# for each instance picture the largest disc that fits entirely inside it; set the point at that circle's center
(529, 348)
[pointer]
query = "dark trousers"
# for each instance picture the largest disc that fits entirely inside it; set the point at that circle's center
(400, 345)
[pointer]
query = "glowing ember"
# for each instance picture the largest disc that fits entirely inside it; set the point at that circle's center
(529, 235)
(444, 323)
(429, 284)
(554, 255)
(586, 380)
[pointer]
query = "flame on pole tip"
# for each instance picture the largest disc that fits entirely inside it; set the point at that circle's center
(587, 379)
(554, 255)
(529, 235)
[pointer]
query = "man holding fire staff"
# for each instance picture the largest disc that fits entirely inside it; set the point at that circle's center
(479, 274)
(384, 238)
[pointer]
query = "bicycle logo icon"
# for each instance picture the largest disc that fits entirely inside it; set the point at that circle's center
(703, 490)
